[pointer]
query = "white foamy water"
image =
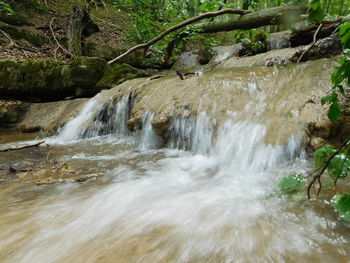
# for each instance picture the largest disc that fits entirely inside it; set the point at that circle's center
(217, 204)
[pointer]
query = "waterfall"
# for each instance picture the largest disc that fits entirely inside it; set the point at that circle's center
(96, 119)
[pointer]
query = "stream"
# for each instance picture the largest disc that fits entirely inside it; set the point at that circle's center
(205, 196)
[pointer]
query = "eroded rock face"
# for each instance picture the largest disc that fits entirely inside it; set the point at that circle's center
(12, 112)
(285, 99)
(48, 117)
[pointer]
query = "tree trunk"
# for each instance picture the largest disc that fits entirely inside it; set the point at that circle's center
(80, 27)
(272, 16)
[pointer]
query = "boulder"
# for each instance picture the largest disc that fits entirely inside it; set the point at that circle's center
(49, 116)
(50, 79)
(12, 112)
(116, 74)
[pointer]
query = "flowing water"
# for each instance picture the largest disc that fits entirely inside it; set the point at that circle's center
(206, 195)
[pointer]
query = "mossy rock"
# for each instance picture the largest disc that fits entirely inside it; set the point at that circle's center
(9, 78)
(42, 78)
(117, 74)
(93, 49)
(50, 79)
(12, 112)
(87, 71)
(17, 34)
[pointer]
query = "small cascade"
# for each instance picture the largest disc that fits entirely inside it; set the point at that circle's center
(96, 119)
(240, 147)
(148, 139)
(189, 134)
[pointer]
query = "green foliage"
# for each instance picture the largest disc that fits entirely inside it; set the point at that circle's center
(339, 166)
(253, 39)
(291, 184)
(342, 205)
(7, 9)
(322, 154)
(315, 12)
(341, 74)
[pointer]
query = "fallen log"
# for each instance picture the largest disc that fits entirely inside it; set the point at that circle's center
(271, 16)
(305, 35)
(24, 147)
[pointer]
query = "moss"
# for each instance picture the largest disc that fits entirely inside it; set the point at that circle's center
(49, 79)
(16, 20)
(41, 77)
(117, 74)
(9, 76)
(87, 71)
(15, 33)
(92, 49)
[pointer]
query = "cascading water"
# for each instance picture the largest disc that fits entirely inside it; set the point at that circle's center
(210, 196)
(97, 119)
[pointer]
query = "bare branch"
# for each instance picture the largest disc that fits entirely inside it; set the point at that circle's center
(57, 42)
(313, 43)
(146, 45)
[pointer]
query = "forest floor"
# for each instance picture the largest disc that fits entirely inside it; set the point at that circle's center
(46, 20)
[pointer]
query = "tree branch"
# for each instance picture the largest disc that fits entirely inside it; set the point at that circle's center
(58, 43)
(317, 177)
(146, 45)
(313, 43)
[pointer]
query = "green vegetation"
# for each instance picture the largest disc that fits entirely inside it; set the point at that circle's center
(291, 183)
(335, 162)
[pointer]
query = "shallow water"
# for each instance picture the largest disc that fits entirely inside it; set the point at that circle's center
(171, 206)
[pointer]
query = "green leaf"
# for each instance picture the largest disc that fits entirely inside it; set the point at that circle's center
(343, 28)
(342, 204)
(339, 166)
(334, 111)
(322, 154)
(291, 183)
(345, 39)
(316, 16)
(337, 75)
(330, 97)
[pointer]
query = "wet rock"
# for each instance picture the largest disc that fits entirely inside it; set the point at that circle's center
(49, 116)
(134, 124)
(279, 40)
(12, 112)
(225, 52)
(317, 142)
(190, 59)
(161, 124)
